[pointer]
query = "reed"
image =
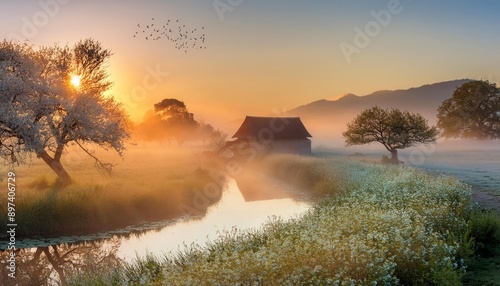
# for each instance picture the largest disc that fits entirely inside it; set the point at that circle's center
(145, 186)
(375, 224)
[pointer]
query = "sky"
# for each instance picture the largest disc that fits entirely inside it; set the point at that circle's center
(263, 57)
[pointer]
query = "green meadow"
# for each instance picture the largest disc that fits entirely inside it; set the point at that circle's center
(371, 224)
(144, 186)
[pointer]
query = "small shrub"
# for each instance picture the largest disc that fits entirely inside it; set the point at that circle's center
(385, 160)
(485, 228)
(466, 249)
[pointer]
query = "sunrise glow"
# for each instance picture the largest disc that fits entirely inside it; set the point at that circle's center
(75, 80)
(229, 142)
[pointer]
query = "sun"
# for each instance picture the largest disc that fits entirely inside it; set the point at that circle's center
(75, 80)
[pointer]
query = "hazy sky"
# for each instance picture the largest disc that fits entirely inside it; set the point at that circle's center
(263, 55)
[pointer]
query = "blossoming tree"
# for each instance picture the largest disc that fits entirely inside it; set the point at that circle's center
(51, 97)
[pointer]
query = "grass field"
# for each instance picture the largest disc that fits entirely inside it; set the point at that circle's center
(373, 224)
(145, 185)
(479, 168)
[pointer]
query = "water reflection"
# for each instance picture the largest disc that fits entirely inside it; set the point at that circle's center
(246, 203)
(232, 210)
(53, 265)
(259, 187)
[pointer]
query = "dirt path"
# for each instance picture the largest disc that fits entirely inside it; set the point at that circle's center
(486, 199)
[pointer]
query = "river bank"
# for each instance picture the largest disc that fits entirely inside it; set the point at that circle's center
(145, 187)
(375, 223)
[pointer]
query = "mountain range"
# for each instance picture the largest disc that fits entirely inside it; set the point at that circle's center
(327, 119)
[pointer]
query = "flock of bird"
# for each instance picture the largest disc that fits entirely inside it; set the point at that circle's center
(173, 31)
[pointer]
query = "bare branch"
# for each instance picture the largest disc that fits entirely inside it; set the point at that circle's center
(103, 167)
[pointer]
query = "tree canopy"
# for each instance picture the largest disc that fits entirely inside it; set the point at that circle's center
(172, 120)
(41, 112)
(394, 129)
(473, 111)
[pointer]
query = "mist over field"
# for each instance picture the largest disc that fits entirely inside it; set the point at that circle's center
(256, 142)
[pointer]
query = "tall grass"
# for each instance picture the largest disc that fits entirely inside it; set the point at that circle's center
(485, 231)
(145, 186)
(375, 225)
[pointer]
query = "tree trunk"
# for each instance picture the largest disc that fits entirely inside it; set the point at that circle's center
(55, 164)
(56, 264)
(394, 156)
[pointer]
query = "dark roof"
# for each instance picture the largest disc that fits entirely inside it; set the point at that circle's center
(279, 127)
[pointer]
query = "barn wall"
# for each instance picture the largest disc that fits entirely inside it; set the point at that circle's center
(249, 147)
(299, 146)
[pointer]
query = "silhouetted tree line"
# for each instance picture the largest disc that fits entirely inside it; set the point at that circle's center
(170, 121)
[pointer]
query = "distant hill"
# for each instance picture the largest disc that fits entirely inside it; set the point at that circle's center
(327, 119)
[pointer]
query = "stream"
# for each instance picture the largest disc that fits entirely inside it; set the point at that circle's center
(246, 203)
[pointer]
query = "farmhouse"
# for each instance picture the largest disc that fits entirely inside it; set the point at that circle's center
(265, 135)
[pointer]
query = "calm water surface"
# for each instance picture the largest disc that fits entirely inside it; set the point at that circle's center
(232, 211)
(243, 205)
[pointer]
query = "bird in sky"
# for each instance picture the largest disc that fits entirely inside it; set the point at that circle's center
(184, 39)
